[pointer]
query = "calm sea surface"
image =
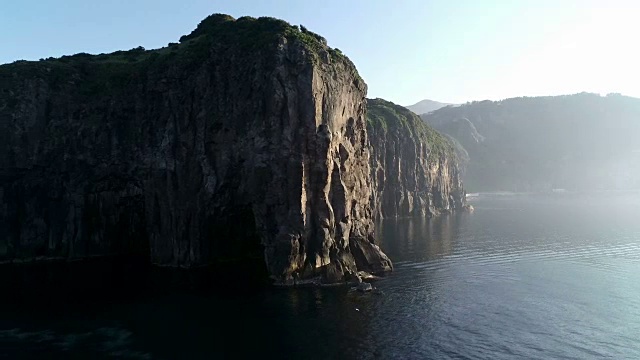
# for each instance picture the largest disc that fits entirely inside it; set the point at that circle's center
(523, 277)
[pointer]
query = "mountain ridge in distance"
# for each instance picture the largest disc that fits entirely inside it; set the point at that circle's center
(426, 106)
(581, 142)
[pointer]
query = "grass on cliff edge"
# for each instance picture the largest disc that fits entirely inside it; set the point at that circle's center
(385, 116)
(104, 73)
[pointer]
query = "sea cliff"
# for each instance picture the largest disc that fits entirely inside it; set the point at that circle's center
(245, 141)
(414, 168)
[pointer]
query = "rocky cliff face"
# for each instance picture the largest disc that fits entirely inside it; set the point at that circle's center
(414, 168)
(246, 139)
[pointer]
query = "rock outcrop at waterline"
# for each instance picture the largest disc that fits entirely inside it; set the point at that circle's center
(247, 140)
(414, 168)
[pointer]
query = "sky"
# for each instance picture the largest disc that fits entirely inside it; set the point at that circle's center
(406, 50)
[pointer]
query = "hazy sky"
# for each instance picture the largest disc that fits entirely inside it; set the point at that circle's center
(406, 50)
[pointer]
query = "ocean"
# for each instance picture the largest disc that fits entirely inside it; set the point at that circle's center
(522, 277)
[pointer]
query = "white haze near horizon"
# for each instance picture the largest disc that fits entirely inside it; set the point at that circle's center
(589, 48)
(597, 55)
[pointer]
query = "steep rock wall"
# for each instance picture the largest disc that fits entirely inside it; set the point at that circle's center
(414, 169)
(246, 139)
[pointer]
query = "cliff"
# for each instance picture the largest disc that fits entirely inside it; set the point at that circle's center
(579, 142)
(413, 167)
(247, 140)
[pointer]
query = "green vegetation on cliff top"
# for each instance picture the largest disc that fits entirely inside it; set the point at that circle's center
(104, 73)
(385, 116)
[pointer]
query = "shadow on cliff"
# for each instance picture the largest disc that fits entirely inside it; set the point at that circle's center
(237, 265)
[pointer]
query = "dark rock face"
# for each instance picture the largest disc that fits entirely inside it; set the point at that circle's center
(222, 150)
(245, 142)
(414, 168)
